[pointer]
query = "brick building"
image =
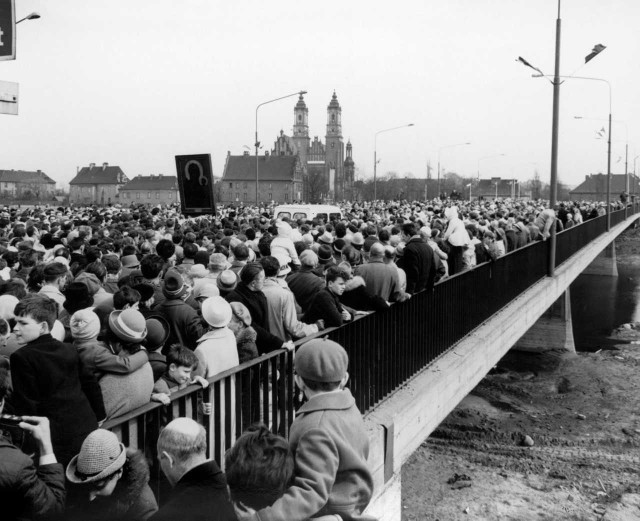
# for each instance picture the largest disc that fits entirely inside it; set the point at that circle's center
(594, 187)
(97, 184)
(150, 189)
(280, 179)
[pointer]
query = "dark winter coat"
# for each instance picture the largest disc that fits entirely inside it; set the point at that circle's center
(357, 296)
(256, 303)
(186, 326)
(417, 262)
(49, 380)
(201, 494)
(132, 499)
(304, 284)
(325, 306)
(27, 491)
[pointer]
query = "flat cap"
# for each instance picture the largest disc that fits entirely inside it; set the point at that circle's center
(321, 360)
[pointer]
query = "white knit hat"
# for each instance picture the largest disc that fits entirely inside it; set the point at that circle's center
(84, 324)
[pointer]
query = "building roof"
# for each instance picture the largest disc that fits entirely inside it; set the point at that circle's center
(152, 182)
(100, 175)
(24, 176)
(270, 168)
(597, 184)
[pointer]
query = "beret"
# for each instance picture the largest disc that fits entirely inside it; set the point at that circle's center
(321, 360)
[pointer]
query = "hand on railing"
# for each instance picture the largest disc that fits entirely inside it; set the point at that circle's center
(320, 324)
(289, 346)
(200, 380)
(162, 398)
(206, 408)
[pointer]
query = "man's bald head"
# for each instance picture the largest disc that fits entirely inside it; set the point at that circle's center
(183, 438)
(377, 250)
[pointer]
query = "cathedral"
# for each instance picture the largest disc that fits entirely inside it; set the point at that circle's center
(328, 169)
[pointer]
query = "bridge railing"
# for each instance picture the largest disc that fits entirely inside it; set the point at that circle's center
(385, 349)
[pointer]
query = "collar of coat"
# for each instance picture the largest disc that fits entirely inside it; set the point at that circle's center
(336, 401)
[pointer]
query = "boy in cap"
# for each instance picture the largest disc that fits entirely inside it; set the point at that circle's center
(328, 439)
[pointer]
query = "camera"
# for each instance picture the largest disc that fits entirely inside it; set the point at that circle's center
(10, 429)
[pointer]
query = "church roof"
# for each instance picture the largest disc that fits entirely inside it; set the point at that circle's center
(301, 104)
(333, 104)
(270, 168)
(24, 176)
(152, 182)
(99, 175)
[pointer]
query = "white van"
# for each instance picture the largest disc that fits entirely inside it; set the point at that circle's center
(308, 212)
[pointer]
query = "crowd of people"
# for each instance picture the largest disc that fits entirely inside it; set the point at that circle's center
(105, 309)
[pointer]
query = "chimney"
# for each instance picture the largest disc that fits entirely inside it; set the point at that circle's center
(104, 166)
(91, 165)
(245, 153)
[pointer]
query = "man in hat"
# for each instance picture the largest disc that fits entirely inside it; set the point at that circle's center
(199, 486)
(186, 326)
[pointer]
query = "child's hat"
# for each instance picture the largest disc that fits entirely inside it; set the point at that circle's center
(321, 360)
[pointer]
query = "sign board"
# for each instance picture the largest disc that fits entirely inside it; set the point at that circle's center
(195, 181)
(8, 97)
(7, 30)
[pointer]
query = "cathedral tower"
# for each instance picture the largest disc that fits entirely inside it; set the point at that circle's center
(334, 162)
(301, 129)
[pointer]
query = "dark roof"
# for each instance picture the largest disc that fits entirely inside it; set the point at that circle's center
(152, 182)
(597, 184)
(24, 176)
(99, 175)
(271, 168)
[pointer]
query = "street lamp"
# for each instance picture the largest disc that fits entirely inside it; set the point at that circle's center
(257, 144)
(487, 157)
(32, 16)
(375, 160)
(440, 150)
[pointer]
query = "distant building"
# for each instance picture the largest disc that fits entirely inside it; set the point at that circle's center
(594, 187)
(150, 189)
(496, 188)
(280, 179)
(24, 184)
(97, 185)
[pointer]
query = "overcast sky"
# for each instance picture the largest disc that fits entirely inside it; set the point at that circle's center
(134, 83)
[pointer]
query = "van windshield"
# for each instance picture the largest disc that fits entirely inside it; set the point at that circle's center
(284, 214)
(335, 216)
(299, 215)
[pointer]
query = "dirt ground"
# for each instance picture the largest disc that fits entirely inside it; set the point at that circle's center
(549, 436)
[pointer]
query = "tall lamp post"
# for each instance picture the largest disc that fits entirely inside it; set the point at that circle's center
(439, 151)
(375, 157)
(257, 143)
(554, 132)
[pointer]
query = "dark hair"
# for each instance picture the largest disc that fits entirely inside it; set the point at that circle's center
(15, 287)
(98, 269)
(264, 244)
(181, 356)
(125, 296)
(76, 243)
(351, 255)
(241, 251)
(11, 257)
(271, 266)
(39, 308)
(165, 248)
(92, 253)
(259, 467)
(112, 263)
(250, 271)
(334, 273)
(54, 271)
(190, 249)
(409, 229)
(151, 266)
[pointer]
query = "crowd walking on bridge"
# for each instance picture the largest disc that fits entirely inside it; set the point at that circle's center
(103, 310)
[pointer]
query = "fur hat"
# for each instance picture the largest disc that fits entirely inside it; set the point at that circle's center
(101, 456)
(218, 262)
(321, 360)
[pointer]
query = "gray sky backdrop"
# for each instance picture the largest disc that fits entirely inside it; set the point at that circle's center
(134, 83)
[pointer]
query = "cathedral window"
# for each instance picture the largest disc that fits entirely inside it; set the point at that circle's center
(333, 118)
(333, 145)
(299, 117)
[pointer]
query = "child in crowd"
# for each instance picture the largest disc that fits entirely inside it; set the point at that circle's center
(329, 442)
(50, 380)
(181, 362)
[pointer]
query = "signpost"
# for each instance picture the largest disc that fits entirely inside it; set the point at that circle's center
(7, 30)
(195, 181)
